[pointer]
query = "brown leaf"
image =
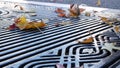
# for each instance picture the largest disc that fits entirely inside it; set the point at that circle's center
(81, 9)
(12, 27)
(21, 8)
(86, 41)
(59, 10)
(61, 15)
(117, 29)
(60, 66)
(74, 10)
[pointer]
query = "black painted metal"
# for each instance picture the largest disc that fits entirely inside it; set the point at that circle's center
(32, 49)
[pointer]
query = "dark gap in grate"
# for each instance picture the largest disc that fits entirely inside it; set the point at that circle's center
(69, 27)
(115, 65)
(72, 65)
(30, 51)
(49, 56)
(112, 62)
(23, 40)
(13, 61)
(74, 49)
(104, 63)
(42, 62)
(47, 66)
(55, 57)
(47, 62)
(65, 57)
(72, 56)
(73, 59)
(65, 65)
(94, 61)
(60, 52)
(65, 60)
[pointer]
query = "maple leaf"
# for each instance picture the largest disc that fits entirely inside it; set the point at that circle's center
(110, 47)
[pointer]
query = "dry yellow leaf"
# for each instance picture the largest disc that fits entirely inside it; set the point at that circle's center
(22, 23)
(98, 3)
(117, 29)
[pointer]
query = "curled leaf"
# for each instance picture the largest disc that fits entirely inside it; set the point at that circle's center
(21, 8)
(86, 41)
(59, 10)
(61, 15)
(74, 10)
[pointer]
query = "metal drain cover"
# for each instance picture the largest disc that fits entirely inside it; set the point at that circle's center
(32, 49)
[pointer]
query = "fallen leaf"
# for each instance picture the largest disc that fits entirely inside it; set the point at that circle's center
(106, 20)
(59, 10)
(74, 10)
(12, 27)
(116, 28)
(57, 24)
(82, 9)
(21, 8)
(60, 66)
(98, 3)
(87, 13)
(22, 23)
(110, 47)
(86, 41)
(61, 15)
(66, 23)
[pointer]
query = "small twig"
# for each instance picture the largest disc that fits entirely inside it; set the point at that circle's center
(96, 45)
(39, 29)
(95, 42)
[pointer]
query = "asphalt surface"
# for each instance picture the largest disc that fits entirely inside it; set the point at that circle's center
(114, 4)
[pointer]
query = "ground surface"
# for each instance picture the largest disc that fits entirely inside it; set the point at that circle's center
(114, 4)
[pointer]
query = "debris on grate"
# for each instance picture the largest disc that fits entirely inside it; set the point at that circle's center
(31, 49)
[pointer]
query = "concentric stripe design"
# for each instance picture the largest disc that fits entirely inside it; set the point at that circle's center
(18, 45)
(33, 49)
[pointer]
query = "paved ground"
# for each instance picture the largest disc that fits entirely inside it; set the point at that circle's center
(115, 4)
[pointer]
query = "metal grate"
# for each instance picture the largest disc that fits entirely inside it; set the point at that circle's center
(32, 49)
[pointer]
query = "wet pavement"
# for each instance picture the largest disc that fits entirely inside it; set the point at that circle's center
(114, 4)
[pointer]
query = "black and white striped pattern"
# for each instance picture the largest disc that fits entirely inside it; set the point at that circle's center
(32, 49)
